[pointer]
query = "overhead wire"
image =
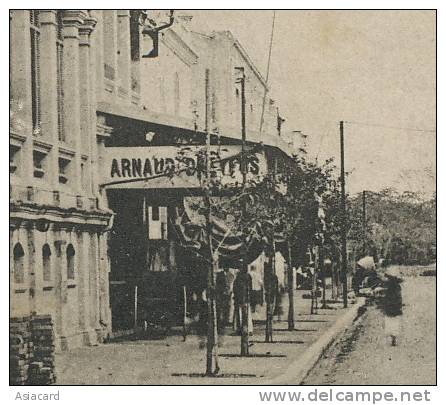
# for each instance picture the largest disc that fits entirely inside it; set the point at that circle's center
(390, 126)
(267, 74)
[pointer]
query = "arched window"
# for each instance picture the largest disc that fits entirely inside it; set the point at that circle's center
(70, 262)
(46, 261)
(19, 269)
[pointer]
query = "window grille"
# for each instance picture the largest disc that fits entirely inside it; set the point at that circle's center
(35, 70)
(34, 17)
(59, 79)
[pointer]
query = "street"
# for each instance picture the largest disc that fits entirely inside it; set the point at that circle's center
(363, 357)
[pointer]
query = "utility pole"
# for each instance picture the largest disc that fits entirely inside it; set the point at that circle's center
(344, 219)
(364, 224)
(270, 277)
(322, 268)
(244, 343)
(212, 334)
(291, 286)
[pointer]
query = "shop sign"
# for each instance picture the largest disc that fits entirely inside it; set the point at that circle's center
(176, 166)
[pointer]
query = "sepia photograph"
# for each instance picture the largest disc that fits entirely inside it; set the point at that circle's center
(223, 197)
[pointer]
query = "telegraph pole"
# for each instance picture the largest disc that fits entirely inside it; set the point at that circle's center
(364, 224)
(344, 219)
(244, 343)
(212, 334)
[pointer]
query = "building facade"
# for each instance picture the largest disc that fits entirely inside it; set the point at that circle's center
(58, 220)
(82, 250)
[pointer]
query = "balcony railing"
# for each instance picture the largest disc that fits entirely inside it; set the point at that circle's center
(52, 198)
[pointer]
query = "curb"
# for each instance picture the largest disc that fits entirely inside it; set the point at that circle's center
(301, 367)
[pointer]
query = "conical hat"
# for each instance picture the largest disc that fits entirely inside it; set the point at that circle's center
(367, 263)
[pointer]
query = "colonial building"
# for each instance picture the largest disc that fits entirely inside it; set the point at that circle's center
(58, 220)
(94, 246)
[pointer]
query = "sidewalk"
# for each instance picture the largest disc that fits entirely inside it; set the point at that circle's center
(173, 362)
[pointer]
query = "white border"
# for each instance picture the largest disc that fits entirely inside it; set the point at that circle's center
(215, 395)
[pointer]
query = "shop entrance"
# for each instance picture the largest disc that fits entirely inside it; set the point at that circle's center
(143, 253)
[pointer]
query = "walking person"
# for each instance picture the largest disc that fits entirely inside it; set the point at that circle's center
(223, 297)
(365, 270)
(256, 297)
(391, 304)
(201, 316)
(242, 291)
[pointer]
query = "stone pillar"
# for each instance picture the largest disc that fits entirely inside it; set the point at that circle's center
(72, 20)
(48, 302)
(85, 99)
(37, 239)
(71, 307)
(60, 265)
(20, 86)
(84, 246)
(31, 268)
(103, 131)
(48, 91)
(104, 282)
(124, 75)
(95, 81)
(94, 282)
(82, 269)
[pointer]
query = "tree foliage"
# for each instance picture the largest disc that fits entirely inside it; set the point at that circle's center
(401, 226)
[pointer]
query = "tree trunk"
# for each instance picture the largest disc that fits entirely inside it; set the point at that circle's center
(314, 283)
(269, 296)
(324, 302)
(322, 273)
(212, 334)
(244, 307)
(212, 367)
(244, 342)
(291, 287)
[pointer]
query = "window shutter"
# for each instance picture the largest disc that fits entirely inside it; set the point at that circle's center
(59, 83)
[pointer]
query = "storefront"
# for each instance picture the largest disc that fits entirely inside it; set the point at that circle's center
(147, 173)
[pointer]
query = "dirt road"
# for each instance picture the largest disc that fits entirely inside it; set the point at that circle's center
(364, 357)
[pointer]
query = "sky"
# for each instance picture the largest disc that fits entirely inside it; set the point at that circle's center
(369, 67)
